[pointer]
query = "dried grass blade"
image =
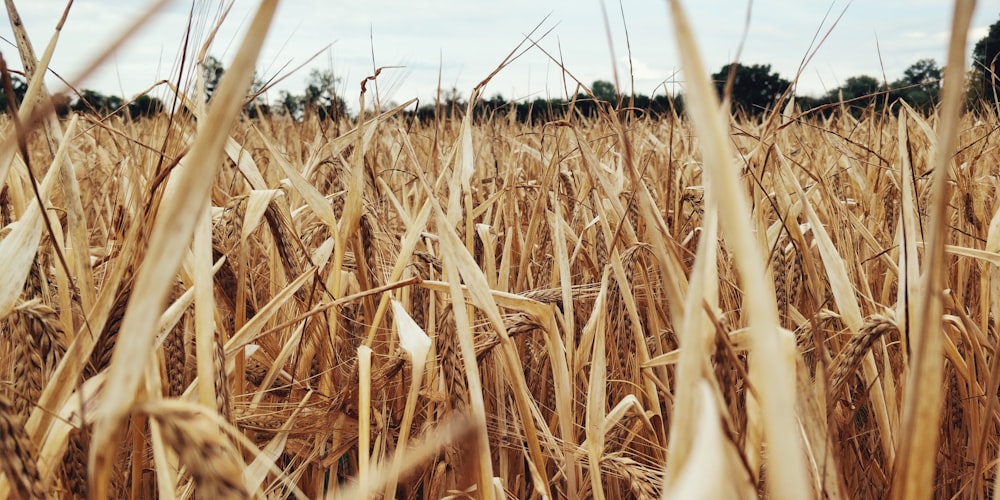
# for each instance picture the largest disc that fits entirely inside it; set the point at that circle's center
(480, 294)
(833, 262)
(187, 191)
(502, 299)
(909, 259)
(245, 164)
(700, 474)
(364, 412)
(987, 255)
(771, 371)
(76, 220)
(204, 309)
(34, 68)
(61, 384)
(252, 329)
(597, 387)
(992, 248)
(71, 416)
(544, 315)
(316, 201)
(257, 203)
(417, 344)
(466, 342)
(18, 249)
(256, 471)
(434, 441)
(847, 303)
(696, 338)
(165, 469)
(914, 473)
(407, 246)
(556, 222)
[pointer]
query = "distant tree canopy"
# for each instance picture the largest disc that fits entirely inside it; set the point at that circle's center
(755, 87)
(20, 87)
(920, 85)
(96, 102)
(603, 98)
(145, 105)
(92, 101)
(321, 96)
(604, 91)
(211, 70)
(861, 91)
(985, 80)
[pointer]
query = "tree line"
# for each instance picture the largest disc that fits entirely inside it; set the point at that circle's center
(755, 88)
(88, 101)
(319, 97)
(751, 90)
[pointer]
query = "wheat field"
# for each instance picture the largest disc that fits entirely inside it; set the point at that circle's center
(698, 306)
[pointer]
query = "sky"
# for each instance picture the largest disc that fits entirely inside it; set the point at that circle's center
(460, 42)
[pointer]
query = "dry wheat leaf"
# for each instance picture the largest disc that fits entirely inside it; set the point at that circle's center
(251, 330)
(698, 476)
(257, 203)
(186, 193)
(316, 201)
(18, 249)
(786, 468)
(914, 469)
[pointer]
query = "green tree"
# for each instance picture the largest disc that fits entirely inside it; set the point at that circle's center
(862, 90)
(20, 87)
(923, 72)
(321, 96)
(604, 91)
(453, 99)
(96, 102)
(212, 71)
(920, 85)
(755, 88)
(986, 65)
(291, 104)
(145, 106)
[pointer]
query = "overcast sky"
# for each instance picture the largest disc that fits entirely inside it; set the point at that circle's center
(464, 40)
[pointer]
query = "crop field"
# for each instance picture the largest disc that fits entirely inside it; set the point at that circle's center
(796, 305)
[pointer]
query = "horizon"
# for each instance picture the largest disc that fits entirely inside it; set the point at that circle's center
(423, 49)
